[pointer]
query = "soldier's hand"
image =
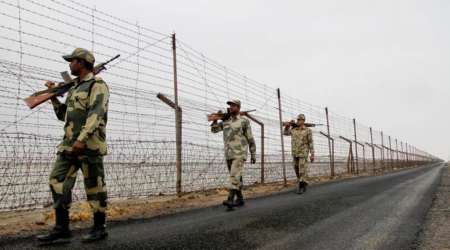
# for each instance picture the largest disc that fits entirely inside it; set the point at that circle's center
(49, 84)
(253, 160)
(311, 158)
(220, 112)
(292, 121)
(78, 147)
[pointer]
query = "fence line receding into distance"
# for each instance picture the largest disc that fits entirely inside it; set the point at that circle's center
(142, 140)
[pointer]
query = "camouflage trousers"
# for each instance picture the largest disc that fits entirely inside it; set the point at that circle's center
(235, 167)
(301, 168)
(63, 177)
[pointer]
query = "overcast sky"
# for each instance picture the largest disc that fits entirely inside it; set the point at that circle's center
(384, 63)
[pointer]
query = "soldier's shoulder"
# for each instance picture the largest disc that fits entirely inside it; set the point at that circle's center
(245, 119)
(99, 80)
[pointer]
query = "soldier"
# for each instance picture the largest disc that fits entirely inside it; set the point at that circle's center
(302, 144)
(238, 138)
(83, 147)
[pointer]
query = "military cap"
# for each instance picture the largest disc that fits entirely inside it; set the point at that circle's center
(80, 53)
(237, 102)
(301, 117)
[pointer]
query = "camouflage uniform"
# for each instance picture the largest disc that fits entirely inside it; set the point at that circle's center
(238, 139)
(85, 115)
(301, 144)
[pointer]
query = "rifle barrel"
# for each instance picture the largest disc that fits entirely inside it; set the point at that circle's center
(112, 59)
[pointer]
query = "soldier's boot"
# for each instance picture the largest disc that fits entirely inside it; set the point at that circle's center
(299, 188)
(61, 230)
(98, 232)
(303, 186)
(240, 199)
(229, 201)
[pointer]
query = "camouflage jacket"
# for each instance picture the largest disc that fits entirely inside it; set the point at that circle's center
(302, 141)
(85, 115)
(237, 137)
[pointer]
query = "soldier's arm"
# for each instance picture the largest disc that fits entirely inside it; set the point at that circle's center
(311, 143)
(251, 141)
(216, 127)
(98, 105)
(287, 131)
(60, 108)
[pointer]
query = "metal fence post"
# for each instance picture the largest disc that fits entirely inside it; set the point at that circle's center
(416, 158)
(396, 150)
(282, 139)
(391, 163)
(373, 149)
(329, 145)
(407, 156)
(332, 147)
(262, 144)
(178, 130)
(364, 155)
(172, 105)
(403, 155)
(351, 159)
(356, 147)
(382, 151)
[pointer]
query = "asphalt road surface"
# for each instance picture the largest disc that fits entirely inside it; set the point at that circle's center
(374, 212)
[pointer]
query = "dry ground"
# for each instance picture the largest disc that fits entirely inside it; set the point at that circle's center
(436, 231)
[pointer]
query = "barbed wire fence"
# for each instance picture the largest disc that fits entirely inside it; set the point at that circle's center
(142, 156)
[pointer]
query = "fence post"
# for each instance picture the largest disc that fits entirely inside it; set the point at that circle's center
(396, 150)
(364, 154)
(382, 150)
(403, 155)
(416, 159)
(407, 156)
(391, 163)
(329, 145)
(262, 143)
(332, 147)
(351, 159)
(172, 105)
(178, 130)
(356, 147)
(282, 139)
(373, 149)
(364, 157)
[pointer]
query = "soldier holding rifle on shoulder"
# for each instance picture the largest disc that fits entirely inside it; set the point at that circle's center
(83, 147)
(301, 144)
(238, 139)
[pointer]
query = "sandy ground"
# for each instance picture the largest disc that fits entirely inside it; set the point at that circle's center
(436, 231)
(33, 222)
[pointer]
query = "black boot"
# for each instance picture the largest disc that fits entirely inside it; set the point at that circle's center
(240, 199)
(229, 201)
(61, 230)
(98, 232)
(302, 187)
(299, 188)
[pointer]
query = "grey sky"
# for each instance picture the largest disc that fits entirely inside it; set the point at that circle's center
(384, 63)
(381, 62)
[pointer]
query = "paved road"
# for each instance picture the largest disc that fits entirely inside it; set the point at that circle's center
(374, 212)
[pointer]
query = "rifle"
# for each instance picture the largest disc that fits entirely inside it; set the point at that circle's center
(218, 116)
(42, 96)
(308, 125)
